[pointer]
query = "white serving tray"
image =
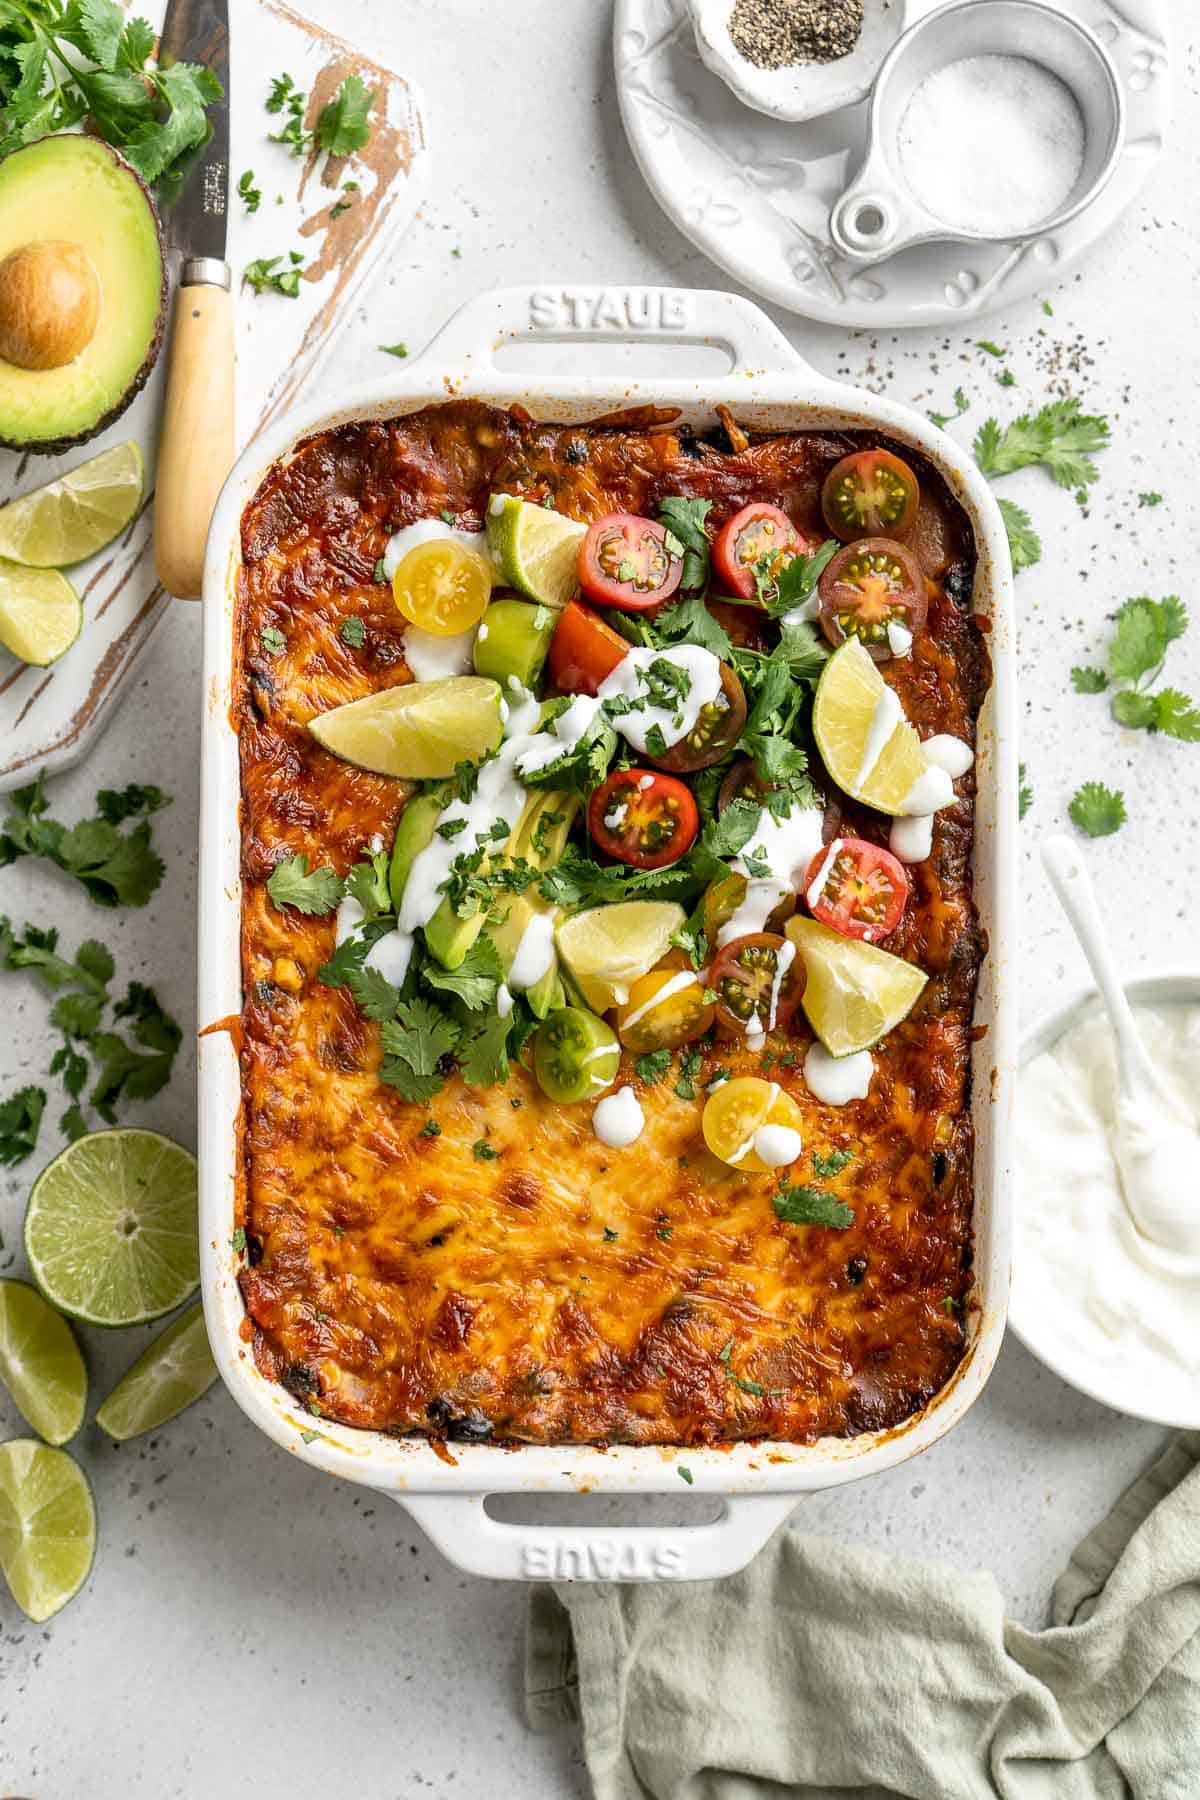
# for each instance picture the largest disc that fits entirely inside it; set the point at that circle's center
(770, 388)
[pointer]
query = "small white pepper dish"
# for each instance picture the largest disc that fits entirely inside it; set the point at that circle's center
(799, 90)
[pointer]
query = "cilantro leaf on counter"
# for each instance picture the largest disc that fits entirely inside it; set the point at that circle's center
(130, 802)
(1059, 437)
(394, 349)
(126, 1073)
(685, 519)
(290, 101)
(1024, 544)
(476, 979)
(1150, 499)
(1024, 792)
(20, 1122)
(264, 276)
(1145, 629)
(991, 349)
(810, 1206)
(115, 868)
(1097, 810)
(342, 122)
(248, 193)
(961, 405)
(313, 892)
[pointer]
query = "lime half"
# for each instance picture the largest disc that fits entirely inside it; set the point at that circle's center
(47, 1526)
(172, 1372)
(536, 549)
(419, 731)
(40, 1363)
(110, 1230)
(76, 515)
(855, 993)
(608, 949)
(866, 743)
(41, 615)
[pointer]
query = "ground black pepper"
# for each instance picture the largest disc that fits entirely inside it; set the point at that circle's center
(772, 34)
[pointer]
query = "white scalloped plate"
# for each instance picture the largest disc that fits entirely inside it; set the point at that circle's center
(754, 193)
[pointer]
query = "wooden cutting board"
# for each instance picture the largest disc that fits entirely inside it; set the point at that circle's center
(49, 717)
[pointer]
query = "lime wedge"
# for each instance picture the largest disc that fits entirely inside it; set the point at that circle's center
(110, 1229)
(535, 549)
(41, 615)
(609, 948)
(419, 731)
(851, 714)
(47, 1526)
(855, 992)
(40, 1363)
(172, 1372)
(76, 515)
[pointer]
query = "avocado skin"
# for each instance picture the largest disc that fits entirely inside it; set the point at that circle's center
(55, 446)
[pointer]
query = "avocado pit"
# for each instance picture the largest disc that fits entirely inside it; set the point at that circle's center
(49, 304)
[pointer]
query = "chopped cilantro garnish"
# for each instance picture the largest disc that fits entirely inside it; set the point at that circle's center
(482, 1151)
(826, 1163)
(651, 1067)
(353, 632)
(251, 195)
(809, 1206)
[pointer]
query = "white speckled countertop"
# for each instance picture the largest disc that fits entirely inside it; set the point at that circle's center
(252, 1625)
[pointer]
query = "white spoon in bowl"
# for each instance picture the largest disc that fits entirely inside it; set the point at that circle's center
(1156, 1146)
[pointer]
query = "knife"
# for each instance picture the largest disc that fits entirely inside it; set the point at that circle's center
(197, 441)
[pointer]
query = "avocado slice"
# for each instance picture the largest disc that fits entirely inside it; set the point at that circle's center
(546, 994)
(83, 290)
(415, 831)
(446, 935)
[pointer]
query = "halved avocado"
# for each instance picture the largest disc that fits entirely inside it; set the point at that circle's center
(83, 290)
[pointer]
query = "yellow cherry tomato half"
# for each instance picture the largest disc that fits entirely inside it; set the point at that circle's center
(665, 1008)
(443, 587)
(746, 1116)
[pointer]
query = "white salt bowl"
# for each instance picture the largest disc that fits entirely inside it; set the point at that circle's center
(801, 90)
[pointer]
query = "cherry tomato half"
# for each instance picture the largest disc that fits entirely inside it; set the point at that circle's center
(734, 1115)
(868, 492)
(665, 1008)
(754, 978)
(643, 817)
(856, 888)
(757, 531)
(443, 587)
(584, 651)
(868, 587)
(624, 561)
(716, 731)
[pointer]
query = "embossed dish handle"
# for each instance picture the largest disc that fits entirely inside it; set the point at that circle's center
(464, 1533)
(589, 315)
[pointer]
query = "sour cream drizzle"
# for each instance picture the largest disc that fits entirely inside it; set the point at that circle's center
(787, 846)
(535, 953)
(675, 720)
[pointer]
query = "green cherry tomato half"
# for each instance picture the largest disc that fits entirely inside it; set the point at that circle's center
(868, 494)
(514, 639)
(575, 1055)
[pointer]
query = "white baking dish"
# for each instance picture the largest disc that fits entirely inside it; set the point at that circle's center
(770, 388)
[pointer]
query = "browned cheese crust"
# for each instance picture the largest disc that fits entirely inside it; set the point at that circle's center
(564, 1292)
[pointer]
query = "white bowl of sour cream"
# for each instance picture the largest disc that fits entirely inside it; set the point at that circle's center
(1109, 1311)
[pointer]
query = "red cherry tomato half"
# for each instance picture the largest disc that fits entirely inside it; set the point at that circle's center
(624, 561)
(747, 980)
(869, 586)
(584, 651)
(716, 731)
(871, 491)
(856, 888)
(643, 817)
(751, 534)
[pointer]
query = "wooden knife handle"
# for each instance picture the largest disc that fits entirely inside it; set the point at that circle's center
(196, 447)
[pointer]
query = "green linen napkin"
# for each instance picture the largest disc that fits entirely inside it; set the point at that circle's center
(824, 1667)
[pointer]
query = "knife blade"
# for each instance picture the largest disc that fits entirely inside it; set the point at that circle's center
(196, 443)
(197, 31)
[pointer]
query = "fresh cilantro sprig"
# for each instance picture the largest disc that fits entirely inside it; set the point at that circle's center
(314, 892)
(154, 115)
(811, 1206)
(684, 520)
(1024, 544)
(123, 1070)
(1097, 810)
(961, 405)
(781, 591)
(115, 867)
(342, 123)
(1060, 437)
(1145, 629)
(20, 1122)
